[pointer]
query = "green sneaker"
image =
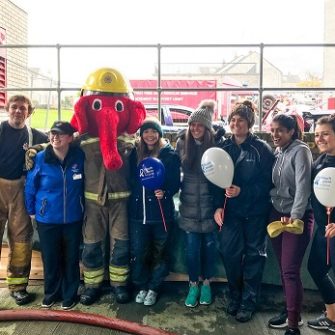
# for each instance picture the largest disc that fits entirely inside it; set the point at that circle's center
(192, 297)
(205, 295)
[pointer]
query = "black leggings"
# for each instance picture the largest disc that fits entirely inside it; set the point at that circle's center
(318, 268)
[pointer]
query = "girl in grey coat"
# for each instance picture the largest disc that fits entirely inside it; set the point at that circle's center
(197, 205)
(291, 176)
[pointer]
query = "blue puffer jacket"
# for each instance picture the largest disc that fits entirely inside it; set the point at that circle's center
(54, 192)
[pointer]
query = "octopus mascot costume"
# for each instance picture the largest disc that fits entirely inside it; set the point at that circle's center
(104, 116)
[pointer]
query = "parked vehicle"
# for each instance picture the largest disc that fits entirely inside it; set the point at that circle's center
(174, 117)
(170, 114)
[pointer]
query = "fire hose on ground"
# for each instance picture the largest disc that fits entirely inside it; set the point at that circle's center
(81, 318)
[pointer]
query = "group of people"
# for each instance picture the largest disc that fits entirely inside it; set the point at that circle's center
(267, 186)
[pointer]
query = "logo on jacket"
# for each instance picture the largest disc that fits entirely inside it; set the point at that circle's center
(75, 168)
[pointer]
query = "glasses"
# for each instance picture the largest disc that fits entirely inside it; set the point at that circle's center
(54, 134)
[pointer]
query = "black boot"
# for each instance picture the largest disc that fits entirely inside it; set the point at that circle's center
(22, 297)
(122, 294)
(90, 296)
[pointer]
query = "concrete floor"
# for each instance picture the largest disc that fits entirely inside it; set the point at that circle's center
(169, 313)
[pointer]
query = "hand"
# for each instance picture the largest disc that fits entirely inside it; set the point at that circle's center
(32, 152)
(233, 191)
(286, 220)
(330, 230)
(218, 216)
(159, 194)
(29, 158)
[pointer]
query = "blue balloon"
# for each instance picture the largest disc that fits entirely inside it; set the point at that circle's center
(151, 172)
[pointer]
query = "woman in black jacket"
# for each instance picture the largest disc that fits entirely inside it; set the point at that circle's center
(148, 237)
(242, 239)
(317, 262)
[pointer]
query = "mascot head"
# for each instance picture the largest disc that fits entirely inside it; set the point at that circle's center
(106, 109)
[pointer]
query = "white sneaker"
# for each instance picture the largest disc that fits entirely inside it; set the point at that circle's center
(141, 296)
(151, 298)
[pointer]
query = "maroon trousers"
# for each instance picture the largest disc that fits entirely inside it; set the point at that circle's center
(290, 249)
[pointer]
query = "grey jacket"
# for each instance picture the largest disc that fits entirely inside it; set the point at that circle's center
(291, 176)
(196, 197)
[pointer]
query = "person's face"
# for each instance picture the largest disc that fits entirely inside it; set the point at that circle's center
(60, 141)
(150, 137)
(239, 126)
(325, 139)
(197, 130)
(18, 113)
(281, 136)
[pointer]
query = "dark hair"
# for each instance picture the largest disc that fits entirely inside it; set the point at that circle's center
(21, 98)
(245, 110)
(289, 122)
(143, 150)
(151, 123)
(189, 156)
(329, 120)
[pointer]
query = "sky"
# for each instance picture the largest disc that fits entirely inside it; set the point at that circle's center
(174, 21)
(171, 22)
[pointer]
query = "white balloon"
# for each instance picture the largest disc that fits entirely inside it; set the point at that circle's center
(218, 167)
(324, 187)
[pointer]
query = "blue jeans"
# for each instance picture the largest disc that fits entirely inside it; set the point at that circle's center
(148, 244)
(201, 255)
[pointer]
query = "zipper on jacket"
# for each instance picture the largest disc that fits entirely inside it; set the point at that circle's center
(81, 204)
(42, 209)
(280, 163)
(64, 192)
(144, 207)
(198, 201)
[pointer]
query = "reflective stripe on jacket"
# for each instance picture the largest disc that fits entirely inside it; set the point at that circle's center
(101, 184)
(111, 196)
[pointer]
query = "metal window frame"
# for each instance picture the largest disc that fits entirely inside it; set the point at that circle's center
(260, 89)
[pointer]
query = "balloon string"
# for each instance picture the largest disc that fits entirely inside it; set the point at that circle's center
(329, 210)
(223, 210)
(162, 214)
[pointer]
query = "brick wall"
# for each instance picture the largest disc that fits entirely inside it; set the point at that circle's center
(15, 21)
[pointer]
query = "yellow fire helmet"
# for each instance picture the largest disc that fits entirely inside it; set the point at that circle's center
(107, 80)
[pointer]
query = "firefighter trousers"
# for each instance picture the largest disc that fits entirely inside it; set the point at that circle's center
(20, 232)
(105, 225)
